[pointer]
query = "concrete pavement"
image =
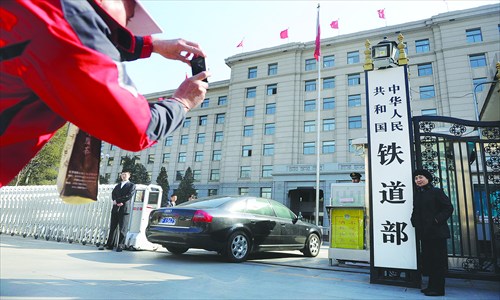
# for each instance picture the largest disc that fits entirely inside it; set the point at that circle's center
(68, 280)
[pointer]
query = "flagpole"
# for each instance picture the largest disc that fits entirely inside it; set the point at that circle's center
(318, 118)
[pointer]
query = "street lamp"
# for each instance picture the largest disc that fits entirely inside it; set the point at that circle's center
(384, 54)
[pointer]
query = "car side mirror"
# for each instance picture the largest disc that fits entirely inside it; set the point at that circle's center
(299, 217)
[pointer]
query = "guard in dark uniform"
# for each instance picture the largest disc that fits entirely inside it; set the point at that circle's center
(122, 198)
(355, 177)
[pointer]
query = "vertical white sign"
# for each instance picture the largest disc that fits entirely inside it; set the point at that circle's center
(394, 244)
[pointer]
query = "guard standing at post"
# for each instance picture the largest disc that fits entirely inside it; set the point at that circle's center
(122, 195)
(355, 177)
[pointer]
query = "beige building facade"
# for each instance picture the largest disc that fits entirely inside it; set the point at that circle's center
(256, 132)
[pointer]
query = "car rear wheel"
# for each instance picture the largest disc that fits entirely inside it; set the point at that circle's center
(177, 250)
(238, 247)
(312, 246)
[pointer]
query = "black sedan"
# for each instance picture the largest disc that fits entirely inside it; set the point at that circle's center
(234, 226)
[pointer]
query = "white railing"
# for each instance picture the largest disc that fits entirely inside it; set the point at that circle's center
(38, 212)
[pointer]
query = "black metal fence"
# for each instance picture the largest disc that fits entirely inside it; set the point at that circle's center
(464, 157)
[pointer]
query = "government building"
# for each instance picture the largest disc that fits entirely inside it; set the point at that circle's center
(256, 133)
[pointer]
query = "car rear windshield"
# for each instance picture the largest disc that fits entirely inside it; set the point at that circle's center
(206, 203)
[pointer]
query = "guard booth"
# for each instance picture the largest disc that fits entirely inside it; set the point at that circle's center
(348, 224)
(147, 198)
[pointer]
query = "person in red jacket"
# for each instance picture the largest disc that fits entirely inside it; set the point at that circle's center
(62, 60)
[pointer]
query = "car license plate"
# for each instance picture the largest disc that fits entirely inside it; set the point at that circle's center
(168, 221)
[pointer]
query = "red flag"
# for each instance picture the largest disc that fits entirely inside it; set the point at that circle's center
(381, 13)
(284, 34)
(335, 24)
(317, 50)
(240, 44)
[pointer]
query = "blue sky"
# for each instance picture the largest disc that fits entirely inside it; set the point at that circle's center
(218, 26)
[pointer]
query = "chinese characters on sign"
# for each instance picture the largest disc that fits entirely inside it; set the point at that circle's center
(390, 151)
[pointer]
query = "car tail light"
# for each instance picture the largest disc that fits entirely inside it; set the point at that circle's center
(201, 216)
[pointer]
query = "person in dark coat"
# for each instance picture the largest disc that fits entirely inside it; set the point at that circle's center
(431, 210)
(122, 198)
(355, 177)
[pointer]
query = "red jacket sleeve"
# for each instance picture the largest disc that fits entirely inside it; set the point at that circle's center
(72, 66)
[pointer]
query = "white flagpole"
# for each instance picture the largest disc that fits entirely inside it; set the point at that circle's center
(318, 127)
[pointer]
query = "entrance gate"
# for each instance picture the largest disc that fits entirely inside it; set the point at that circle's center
(464, 158)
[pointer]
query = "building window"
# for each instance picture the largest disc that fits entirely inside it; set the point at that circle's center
(184, 139)
(215, 175)
(216, 155)
(422, 46)
(310, 105)
(427, 92)
(272, 69)
(478, 82)
(328, 124)
(111, 147)
(218, 136)
(245, 171)
(309, 148)
(243, 191)
(310, 85)
(169, 141)
(354, 100)
(355, 122)
(246, 151)
(329, 61)
(198, 156)
(309, 126)
(269, 129)
(249, 111)
(165, 158)
(310, 64)
(137, 159)
(352, 57)
(251, 92)
(212, 192)
(220, 118)
(352, 148)
(187, 122)
(151, 159)
(265, 192)
(477, 60)
(329, 83)
(267, 171)
(178, 175)
(328, 103)
(268, 150)
(272, 89)
(353, 79)
(328, 147)
(429, 112)
(252, 72)
(205, 103)
(248, 130)
(200, 138)
(474, 35)
(424, 69)
(110, 161)
(270, 108)
(202, 120)
(222, 100)
(197, 175)
(182, 157)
